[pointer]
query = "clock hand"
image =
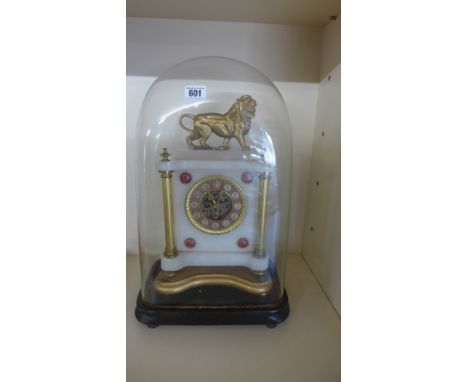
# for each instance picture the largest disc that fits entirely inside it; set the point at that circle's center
(211, 197)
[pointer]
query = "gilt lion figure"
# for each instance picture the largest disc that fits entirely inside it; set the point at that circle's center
(235, 123)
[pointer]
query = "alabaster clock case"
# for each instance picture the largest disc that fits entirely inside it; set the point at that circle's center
(213, 169)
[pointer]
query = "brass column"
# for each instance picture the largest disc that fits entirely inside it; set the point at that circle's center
(259, 250)
(166, 179)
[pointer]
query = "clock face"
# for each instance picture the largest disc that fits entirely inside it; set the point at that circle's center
(215, 205)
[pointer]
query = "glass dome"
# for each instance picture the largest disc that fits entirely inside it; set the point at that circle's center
(213, 170)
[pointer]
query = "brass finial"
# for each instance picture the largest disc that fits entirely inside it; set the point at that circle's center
(165, 155)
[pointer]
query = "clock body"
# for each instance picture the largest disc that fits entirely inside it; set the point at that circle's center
(216, 214)
(213, 164)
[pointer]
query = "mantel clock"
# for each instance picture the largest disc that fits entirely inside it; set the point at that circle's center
(213, 184)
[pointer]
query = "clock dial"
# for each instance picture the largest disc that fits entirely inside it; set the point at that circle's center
(215, 205)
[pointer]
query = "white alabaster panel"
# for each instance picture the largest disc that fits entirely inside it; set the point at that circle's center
(191, 258)
(251, 166)
(215, 249)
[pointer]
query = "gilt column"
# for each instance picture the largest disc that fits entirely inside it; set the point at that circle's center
(259, 250)
(166, 180)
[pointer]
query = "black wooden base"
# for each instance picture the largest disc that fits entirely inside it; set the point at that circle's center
(153, 316)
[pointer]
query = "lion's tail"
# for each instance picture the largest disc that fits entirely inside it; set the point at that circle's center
(182, 117)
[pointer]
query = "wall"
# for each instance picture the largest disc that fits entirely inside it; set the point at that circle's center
(282, 52)
(289, 55)
(330, 55)
(322, 234)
